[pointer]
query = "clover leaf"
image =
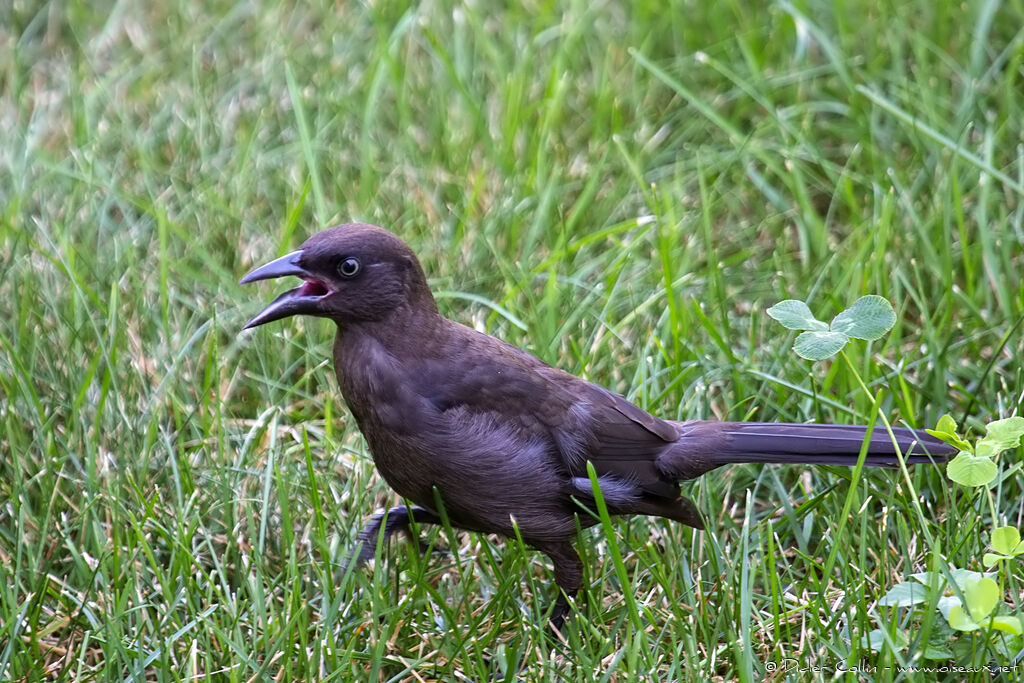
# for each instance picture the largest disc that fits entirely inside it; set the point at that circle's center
(868, 318)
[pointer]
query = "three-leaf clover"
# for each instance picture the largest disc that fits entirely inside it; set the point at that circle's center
(981, 596)
(1007, 545)
(973, 466)
(868, 318)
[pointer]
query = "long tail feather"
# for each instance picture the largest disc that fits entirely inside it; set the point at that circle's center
(825, 444)
(705, 445)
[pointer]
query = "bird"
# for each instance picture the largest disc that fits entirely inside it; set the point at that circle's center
(503, 438)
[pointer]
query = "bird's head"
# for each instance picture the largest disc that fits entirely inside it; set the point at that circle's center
(353, 273)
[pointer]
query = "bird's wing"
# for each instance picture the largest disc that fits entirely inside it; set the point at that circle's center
(582, 420)
(626, 441)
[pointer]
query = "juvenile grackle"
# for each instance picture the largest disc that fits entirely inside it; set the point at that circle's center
(504, 437)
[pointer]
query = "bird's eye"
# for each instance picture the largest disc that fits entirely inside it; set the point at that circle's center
(349, 267)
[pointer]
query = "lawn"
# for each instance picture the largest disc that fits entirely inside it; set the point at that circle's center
(621, 188)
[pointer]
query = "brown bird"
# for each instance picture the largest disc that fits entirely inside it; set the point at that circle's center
(503, 437)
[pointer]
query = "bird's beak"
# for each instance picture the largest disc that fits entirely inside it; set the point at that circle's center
(286, 265)
(294, 301)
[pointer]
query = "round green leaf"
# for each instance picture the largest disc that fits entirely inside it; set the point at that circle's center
(1000, 436)
(946, 431)
(932, 651)
(991, 559)
(904, 595)
(946, 424)
(982, 596)
(962, 576)
(1010, 429)
(946, 603)
(959, 620)
(1008, 624)
(868, 318)
(969, 470)
(795, 315)
(1005, 540)
(819, 345)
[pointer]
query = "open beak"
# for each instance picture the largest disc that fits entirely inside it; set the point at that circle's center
(286, 265)
(296, 301)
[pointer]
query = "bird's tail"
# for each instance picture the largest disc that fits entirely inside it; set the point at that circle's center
(825, 444)
(703, 446)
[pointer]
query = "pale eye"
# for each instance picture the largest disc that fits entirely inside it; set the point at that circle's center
(349, 267)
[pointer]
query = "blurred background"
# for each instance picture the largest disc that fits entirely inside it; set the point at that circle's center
(621, 188)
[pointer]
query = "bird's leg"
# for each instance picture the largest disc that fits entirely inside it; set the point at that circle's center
(568, 578)
(395, 519)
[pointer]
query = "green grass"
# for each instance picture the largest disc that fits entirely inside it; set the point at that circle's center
(621, 188)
